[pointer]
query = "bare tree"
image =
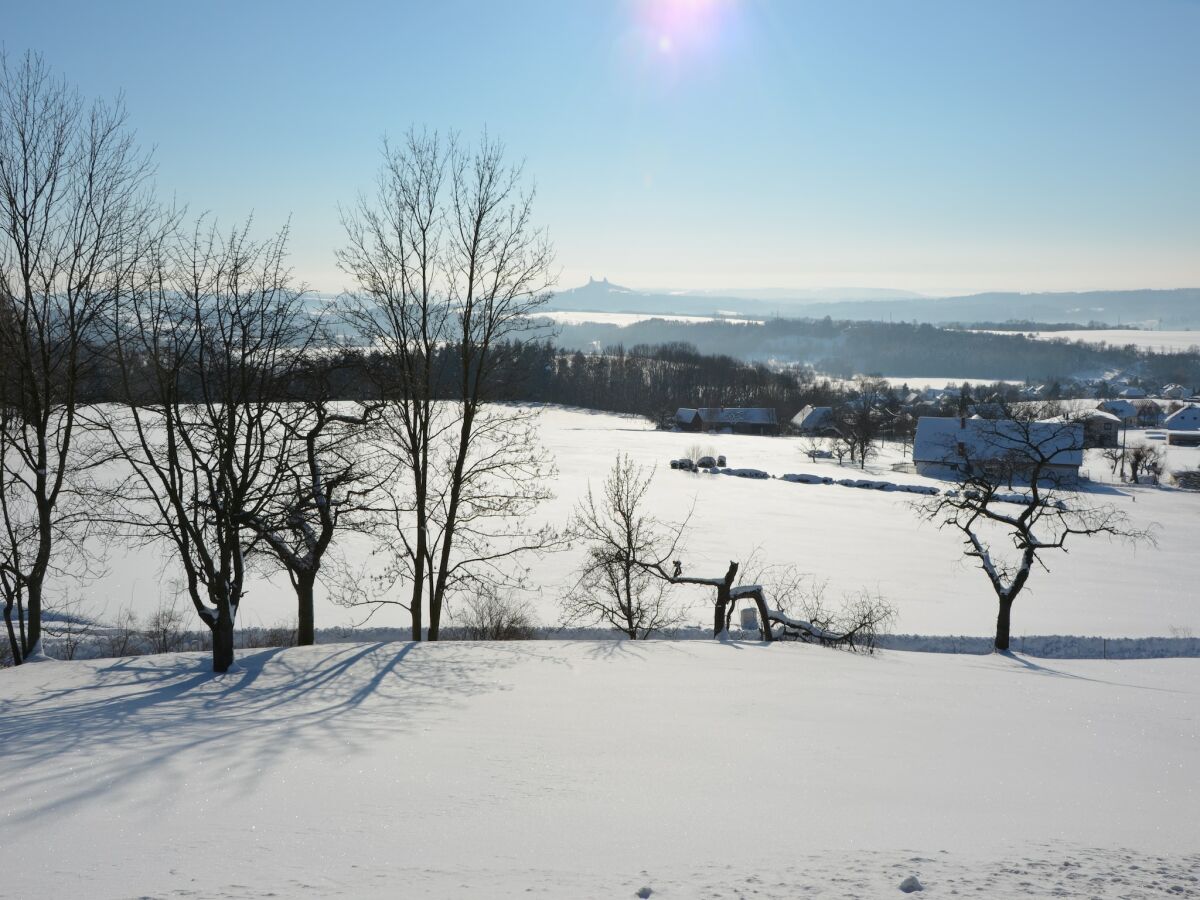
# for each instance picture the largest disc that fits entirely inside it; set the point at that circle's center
(859, 425)
(120, 638)
(1115, 456)
(326, 485)
(627, 549)
(72, 204)
(67, 628)
(1046, 517)
(449, 267)
(815, 447)
(1145, 460)
(205, 355)
(163, 630)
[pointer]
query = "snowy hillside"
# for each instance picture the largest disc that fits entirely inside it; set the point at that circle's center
(850, 539)
(588, 770)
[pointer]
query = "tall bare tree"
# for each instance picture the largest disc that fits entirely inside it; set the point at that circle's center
(449, 267)
(206, 356)
(73, 203)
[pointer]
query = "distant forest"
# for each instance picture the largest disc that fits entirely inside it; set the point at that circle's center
(846, 348)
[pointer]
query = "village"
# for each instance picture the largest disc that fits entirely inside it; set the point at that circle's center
(925, 424)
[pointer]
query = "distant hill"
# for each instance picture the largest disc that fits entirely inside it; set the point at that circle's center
(1179, 308)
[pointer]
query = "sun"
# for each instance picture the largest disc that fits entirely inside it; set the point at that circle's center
(682, 27)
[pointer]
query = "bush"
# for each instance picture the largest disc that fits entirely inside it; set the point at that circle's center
(1189, 480)
(491, 616)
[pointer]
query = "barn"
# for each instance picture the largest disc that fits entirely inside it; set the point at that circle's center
(951, 447)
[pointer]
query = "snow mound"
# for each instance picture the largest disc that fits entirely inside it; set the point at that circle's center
(740, 473)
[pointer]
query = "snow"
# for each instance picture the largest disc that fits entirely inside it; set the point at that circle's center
(941, 382)
(1157, 341)
(599, 769)
(850, 539)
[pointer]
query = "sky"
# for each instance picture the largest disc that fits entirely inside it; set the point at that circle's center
(935, 147)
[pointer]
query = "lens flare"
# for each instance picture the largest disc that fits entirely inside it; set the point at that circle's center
(680, 29)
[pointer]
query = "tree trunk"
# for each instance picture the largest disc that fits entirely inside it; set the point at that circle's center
(13, 643)
(222, 649)
(724, 600)
(305, 625)
(33, 617)
(1002, 623)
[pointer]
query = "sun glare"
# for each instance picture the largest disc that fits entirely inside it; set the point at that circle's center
(679, 29)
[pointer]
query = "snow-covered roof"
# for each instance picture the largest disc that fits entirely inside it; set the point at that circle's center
(1097, 414)
(1121, 408)
(1186, 419)
(946, 439)
(812, 417)
(685, 414)
(743, 415)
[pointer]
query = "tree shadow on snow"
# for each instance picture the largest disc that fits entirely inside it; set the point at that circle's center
(169, 717)
(1028, 665)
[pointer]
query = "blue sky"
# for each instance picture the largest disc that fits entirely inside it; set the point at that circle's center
(939, 147)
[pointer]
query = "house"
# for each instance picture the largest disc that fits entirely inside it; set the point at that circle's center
(1186, 419)
(1149, 413)
(950, 447)
(1100, 428)
(1174, 392)
(731, 419)
(1132, 393)
(1122, 409)
(815, 420)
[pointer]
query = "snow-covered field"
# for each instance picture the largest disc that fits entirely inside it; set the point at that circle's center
(851, 539)
(588, 770)
(921, 382)
(1157, 341)
(575, 317)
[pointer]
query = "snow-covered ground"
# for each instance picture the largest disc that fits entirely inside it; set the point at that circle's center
(588, 770)
(1157, 341)
(576, 317)
(851, 539)
(922, 382)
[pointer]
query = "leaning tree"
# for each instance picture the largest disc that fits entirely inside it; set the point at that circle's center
(1009, 533)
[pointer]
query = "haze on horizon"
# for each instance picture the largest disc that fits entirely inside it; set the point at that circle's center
(933, 147)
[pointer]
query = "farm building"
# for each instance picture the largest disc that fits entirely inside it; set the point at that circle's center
(816, 420)
(731, 419)
(951, 447)
(1186, 419)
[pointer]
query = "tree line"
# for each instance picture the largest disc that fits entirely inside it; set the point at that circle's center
(226, 436)
(844, 348)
